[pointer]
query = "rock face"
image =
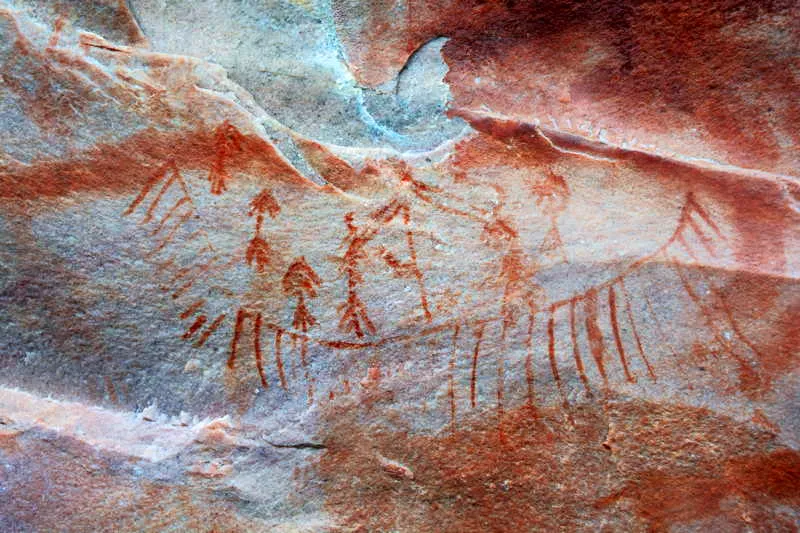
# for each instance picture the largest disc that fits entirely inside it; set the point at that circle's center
(391, 265)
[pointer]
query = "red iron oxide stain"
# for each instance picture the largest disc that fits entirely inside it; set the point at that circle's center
(661, 65)
(542, 470)
(334, 169)
(741, 491)
(128, 165)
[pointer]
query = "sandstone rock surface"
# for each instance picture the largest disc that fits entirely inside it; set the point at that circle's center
(396, 265)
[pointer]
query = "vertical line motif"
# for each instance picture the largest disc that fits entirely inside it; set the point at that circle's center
(634, 329)
(278, 359)
(594, 334)
(292, 348)
(551, 353)
(451, 386)
(576, 352)
(423, 295)
(612, 306)
(237, 332)
(501, 379)
(306, 373)
(257, 350)
(474, 378)
(529, 376)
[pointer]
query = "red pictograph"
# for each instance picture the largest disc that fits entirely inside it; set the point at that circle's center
(258, 253)
(354, 316)
(300, 282)
(227, 143)
(600, 326)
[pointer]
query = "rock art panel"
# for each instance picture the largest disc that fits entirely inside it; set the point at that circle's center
(439, 289)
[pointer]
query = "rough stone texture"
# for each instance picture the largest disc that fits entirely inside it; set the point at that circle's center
(392, 265)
